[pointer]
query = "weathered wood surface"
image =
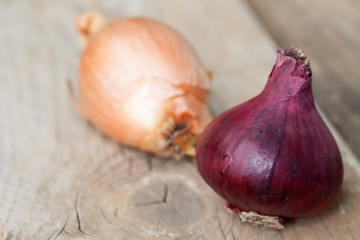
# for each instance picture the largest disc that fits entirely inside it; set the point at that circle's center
(329, 31)
(62, 179)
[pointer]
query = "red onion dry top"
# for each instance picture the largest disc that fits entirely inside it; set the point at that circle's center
(273, 154)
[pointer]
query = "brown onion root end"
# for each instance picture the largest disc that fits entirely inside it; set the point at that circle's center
(184, 131)
(171, 139)
(177, 134)
(179, 139)
(259, 220)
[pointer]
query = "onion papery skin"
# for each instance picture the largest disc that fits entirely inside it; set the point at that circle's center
(142, 84)
(273, 154)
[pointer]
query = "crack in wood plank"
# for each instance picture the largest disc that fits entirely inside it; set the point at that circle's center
(69, 234)
(62, 229)
(164, 200)
(78, 219)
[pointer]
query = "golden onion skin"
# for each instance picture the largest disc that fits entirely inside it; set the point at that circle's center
(142, 84)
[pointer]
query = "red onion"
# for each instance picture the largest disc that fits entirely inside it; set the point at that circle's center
(273, 155)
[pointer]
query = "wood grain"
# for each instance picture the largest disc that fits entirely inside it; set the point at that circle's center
(62, 179)
(329, 31)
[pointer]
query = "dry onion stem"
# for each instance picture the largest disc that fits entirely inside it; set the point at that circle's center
(258, 220)
(142, 84)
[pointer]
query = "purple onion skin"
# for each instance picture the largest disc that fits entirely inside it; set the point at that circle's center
(273, 154)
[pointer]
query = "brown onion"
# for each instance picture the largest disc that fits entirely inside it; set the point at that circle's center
(142, 84)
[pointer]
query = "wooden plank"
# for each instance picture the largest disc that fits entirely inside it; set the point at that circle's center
(62, 179)
(329, 31)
